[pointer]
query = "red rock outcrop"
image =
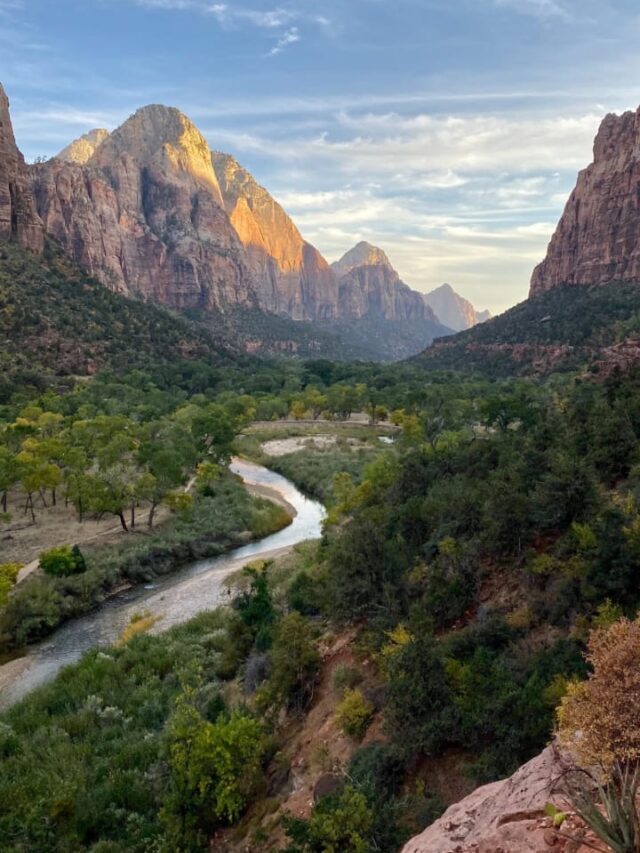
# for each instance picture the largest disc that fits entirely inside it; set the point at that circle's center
(508, 816)
(598, 237)
(145, 215)
(370, 286)
(19, 218)
(292, 276)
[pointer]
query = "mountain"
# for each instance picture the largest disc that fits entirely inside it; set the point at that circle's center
(454, 310)
(145, 215)
(19, 219)
(292, 277)
(598, 237)
(369, 285)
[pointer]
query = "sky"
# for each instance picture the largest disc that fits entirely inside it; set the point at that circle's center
(448, 132)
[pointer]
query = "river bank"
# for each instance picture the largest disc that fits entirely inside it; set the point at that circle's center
(173, 599)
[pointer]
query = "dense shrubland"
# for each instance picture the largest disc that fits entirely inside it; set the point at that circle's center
(473, 557)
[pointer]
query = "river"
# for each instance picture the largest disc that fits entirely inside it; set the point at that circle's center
(174, 599)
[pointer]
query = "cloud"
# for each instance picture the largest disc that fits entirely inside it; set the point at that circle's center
(283, 20)
(291, 36)
(544, 9)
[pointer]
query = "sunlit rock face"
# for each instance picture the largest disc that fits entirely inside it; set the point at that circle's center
(291, 275)
(82, 150)
(19, 220)
(144, 214)
(598, 237)
(454, 310)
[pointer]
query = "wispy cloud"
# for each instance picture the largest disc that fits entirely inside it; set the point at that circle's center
(291, 36)
(285, 21)
(544, 9)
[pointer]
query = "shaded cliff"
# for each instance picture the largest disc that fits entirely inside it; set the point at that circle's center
(598, 237)
(19, 220)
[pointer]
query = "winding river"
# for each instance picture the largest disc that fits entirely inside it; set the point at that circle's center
(174, 599)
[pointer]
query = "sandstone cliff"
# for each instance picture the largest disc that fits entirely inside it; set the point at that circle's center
(508, 817)
(292, 276)
(19, 220)
(598, 237)
(453, 310)
(144, 215)
(370, 286)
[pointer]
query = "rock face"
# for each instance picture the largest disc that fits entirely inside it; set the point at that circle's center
(144, 214)
(503, 817)
(82, 150)
(292, 276)
(19, 220)
(598, 237)
(369, 286)
(453, 310)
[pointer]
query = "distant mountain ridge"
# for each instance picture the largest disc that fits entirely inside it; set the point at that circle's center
(454, 310)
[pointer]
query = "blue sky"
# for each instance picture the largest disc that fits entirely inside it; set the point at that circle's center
(449, 132)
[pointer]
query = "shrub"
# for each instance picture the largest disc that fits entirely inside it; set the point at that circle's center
(344, 676)
(354, 714)
(63, 561)
(8, 576)
(295, 663)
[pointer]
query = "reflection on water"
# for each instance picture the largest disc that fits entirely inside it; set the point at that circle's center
(174, 599)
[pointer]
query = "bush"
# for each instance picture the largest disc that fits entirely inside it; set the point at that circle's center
(344, 676)
(63, 561)
(8, 576)
(354, 714)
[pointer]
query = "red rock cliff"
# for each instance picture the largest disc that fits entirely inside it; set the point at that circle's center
(19, 219)
(598, 237)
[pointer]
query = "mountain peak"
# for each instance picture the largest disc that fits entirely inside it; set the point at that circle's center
(162, 135)
(454, 310)
(362, 255)
(81, 150)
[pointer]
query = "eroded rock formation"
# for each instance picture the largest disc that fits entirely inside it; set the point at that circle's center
(19, 219)
(598, 237)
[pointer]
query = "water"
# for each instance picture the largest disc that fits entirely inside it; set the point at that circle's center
(175, 599)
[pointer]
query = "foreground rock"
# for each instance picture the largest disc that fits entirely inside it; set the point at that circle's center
(19, 220)
(598, 237)
(507, 816)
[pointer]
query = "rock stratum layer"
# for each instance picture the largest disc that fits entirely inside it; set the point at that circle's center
(598, 237)
(19, 220)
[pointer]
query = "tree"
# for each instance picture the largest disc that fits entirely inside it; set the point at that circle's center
(214, 767)
(598, 722)
(295, 662)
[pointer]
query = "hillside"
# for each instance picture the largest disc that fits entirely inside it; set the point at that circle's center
(566, 328)
(56, 321)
